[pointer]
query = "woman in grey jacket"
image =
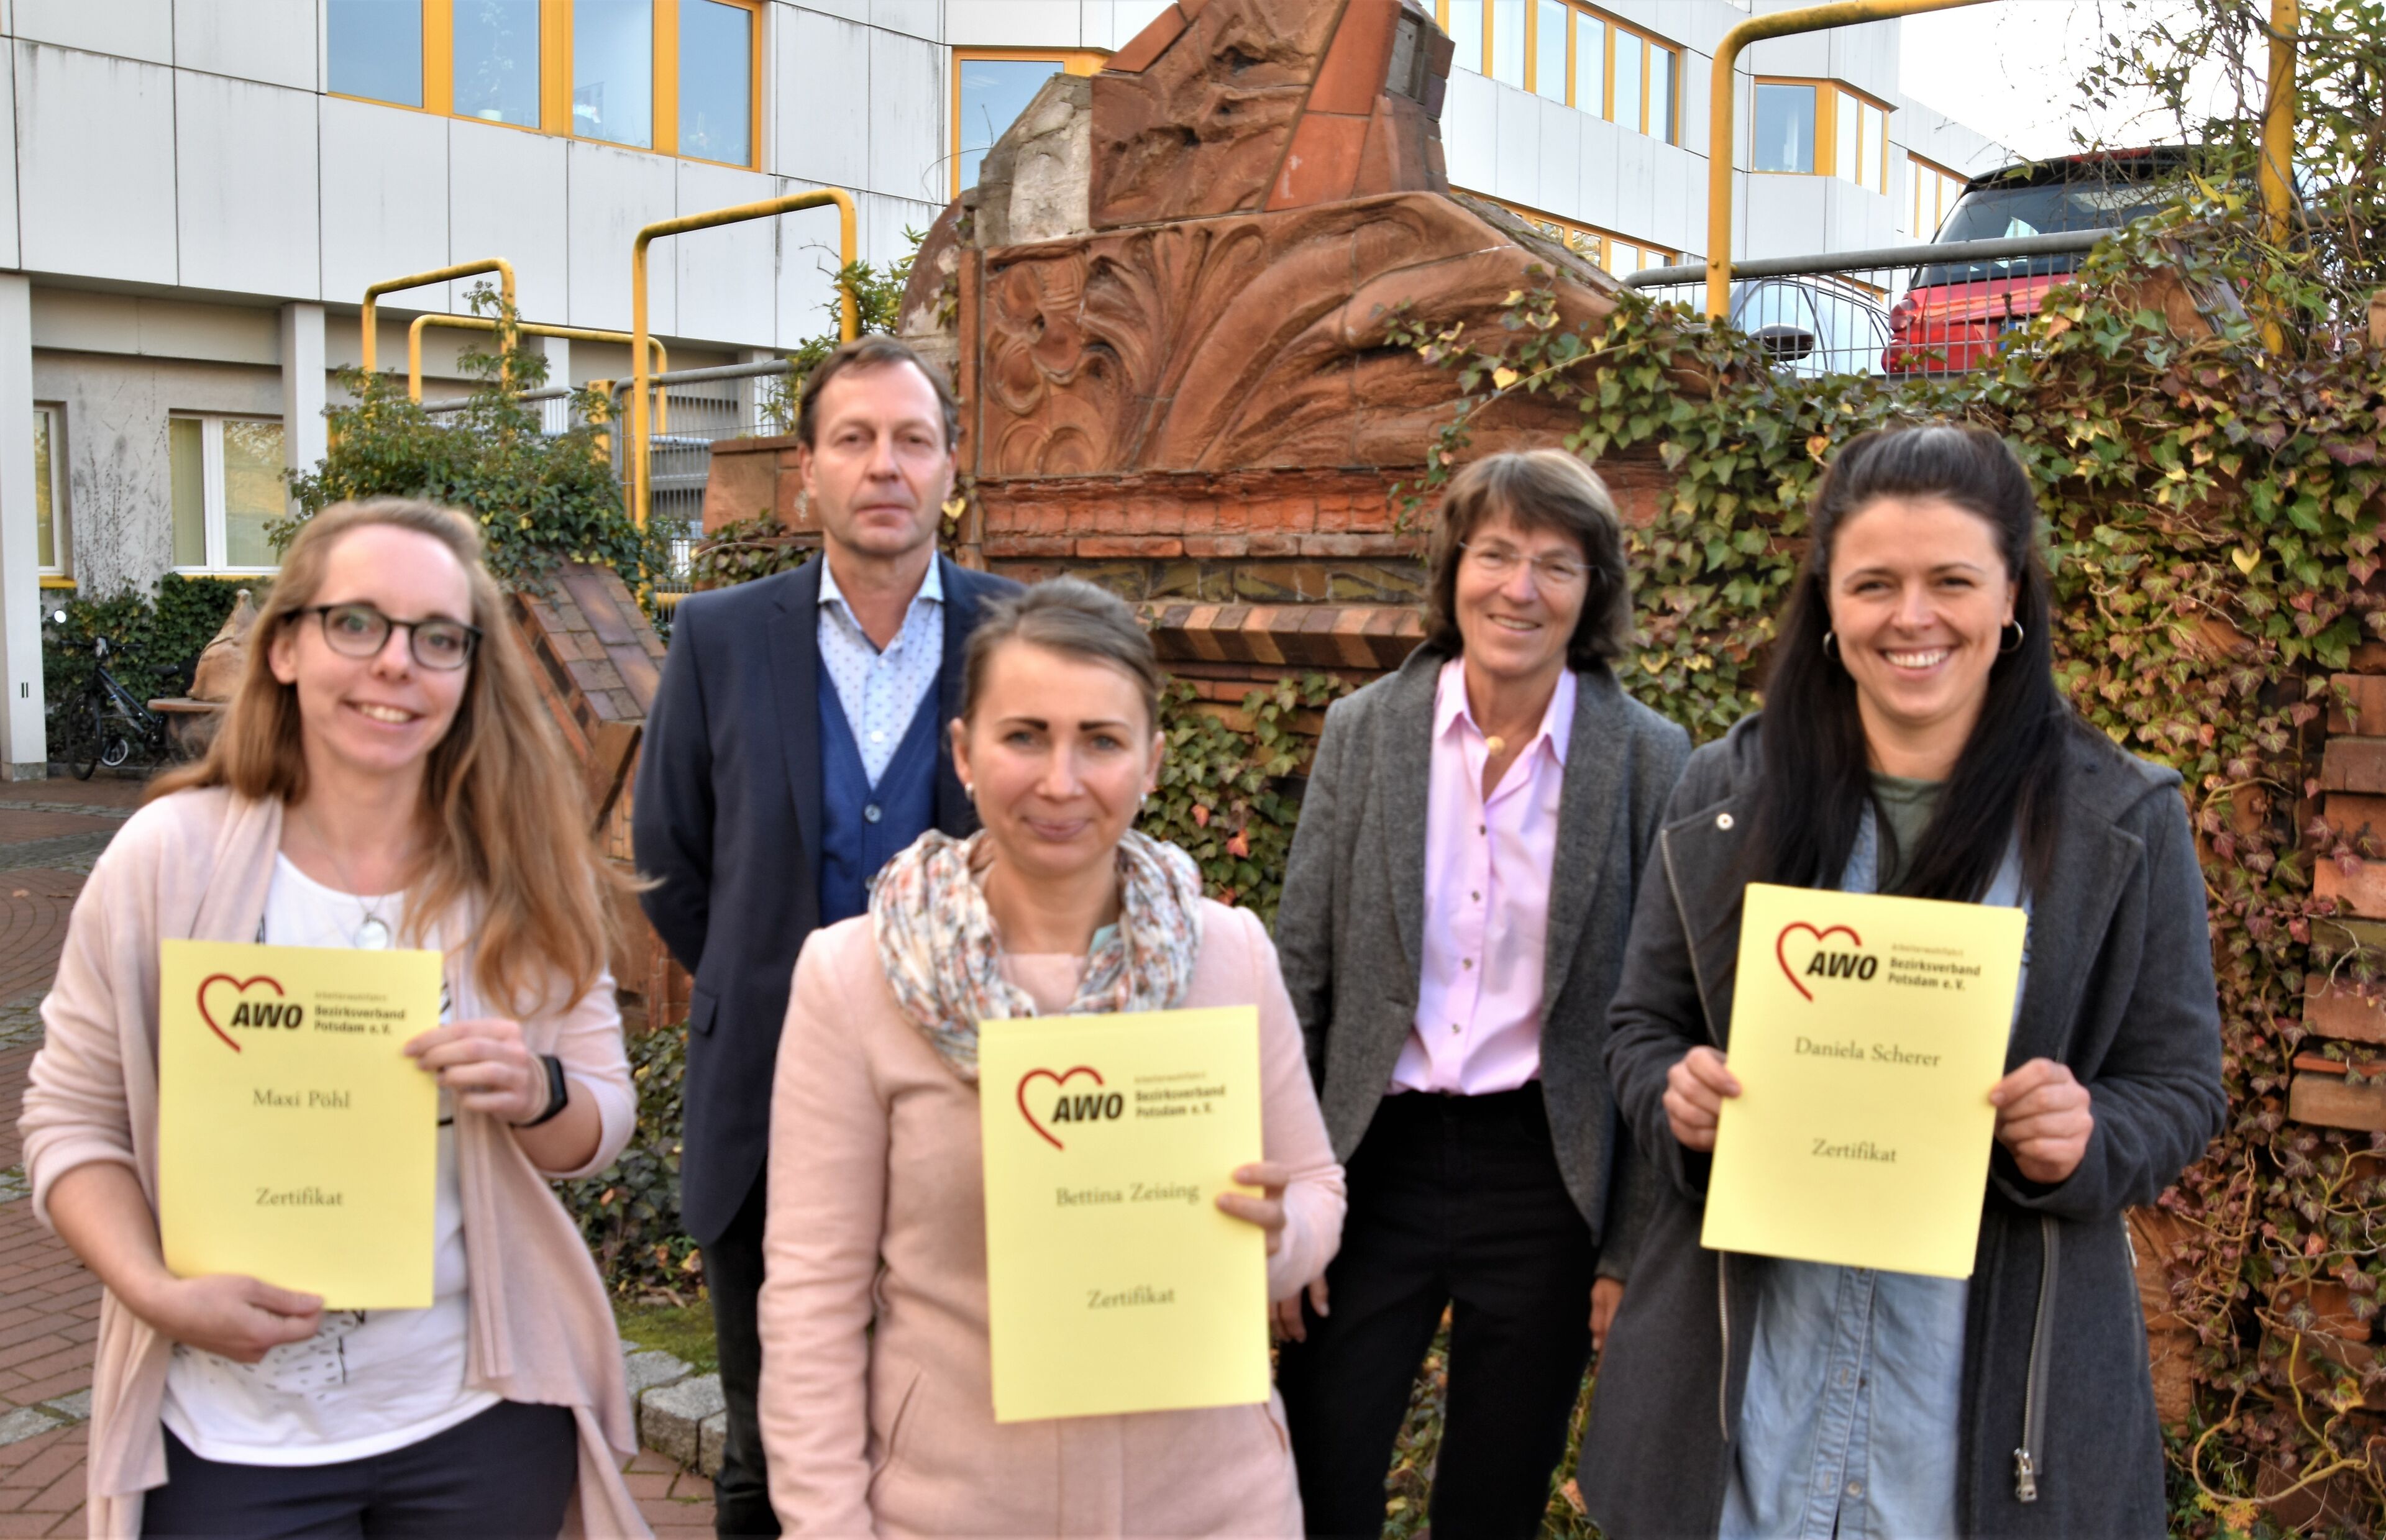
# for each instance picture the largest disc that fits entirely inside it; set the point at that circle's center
(1914, 743)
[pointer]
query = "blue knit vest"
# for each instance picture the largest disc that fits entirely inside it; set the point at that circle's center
(864, 826)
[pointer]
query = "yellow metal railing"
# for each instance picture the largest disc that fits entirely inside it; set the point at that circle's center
(1723, 140)
(849, 316)
(528, 329)
(498, 264)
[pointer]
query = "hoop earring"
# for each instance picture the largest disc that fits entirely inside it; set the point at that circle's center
(2004, 651)
(1831, 646)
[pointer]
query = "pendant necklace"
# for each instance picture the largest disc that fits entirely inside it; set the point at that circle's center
(373, 935)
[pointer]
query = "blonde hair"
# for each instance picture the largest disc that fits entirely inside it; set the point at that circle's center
(504, 816)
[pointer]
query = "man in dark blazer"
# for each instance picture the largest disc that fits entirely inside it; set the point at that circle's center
(799, 740)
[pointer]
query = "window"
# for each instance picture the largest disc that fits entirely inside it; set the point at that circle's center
(1550, 51)
(1935, 192)
(495, 77)
(1568, 53)
(226, 473)
(375, 50)
(1619, 254)
(1508, 41)
(613, 72)
(991, 88)
(1804, 127)
(675, 76)
(50, 534)
(1785, 128)
(1463, 19)
(716, 81)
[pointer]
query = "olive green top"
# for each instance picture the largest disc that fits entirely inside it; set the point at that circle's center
(1905, 806)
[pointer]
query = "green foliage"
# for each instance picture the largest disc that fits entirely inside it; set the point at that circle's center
(629, 1212)
(2214, 519)
(153, 638)
(747, 549)
(878, 304)
(540, 499)
(1223, 790)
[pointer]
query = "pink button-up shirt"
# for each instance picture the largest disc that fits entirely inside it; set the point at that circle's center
(1486, 901)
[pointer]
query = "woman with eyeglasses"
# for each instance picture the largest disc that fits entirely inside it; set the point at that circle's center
(1453, 922)
(385, 776)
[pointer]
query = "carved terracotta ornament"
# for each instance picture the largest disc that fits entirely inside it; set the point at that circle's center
(1265, 196)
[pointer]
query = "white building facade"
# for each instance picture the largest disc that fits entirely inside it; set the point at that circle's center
(195, 194)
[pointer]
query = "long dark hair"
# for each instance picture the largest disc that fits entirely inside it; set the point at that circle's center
(1817, 786)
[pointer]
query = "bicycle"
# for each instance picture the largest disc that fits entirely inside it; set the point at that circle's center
(109, 722)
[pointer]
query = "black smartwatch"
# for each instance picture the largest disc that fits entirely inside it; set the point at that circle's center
(559, 1094)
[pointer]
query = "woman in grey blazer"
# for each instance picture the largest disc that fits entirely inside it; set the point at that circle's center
(1913, 742)
(1454, 921)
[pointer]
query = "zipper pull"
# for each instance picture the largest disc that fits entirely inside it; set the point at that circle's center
(2025, 1477)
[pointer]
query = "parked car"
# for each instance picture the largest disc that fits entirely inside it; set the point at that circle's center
(1818, 325)
(1954, 313)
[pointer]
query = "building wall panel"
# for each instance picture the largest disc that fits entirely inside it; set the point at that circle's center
(805, 280)
(907, 117)
(270, 41)
(506, 197)
(727, 276)
(823, 73)
(127, 29)
(1559, 184)
(10, 257)
(1470, 131)
(385, 180)
(917, 19)
(613, 194)
(245, 161)
(1016, 23)
(95, 164)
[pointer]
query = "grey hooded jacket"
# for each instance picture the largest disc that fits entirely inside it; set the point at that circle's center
(2120, 989)
(1351, 929)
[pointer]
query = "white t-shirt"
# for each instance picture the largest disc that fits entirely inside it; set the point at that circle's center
(369, 1380)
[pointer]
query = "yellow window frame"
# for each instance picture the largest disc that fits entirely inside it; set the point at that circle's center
(1605, 107)
(1827, 129)
(554, 73)
(1073, 61)
(1917, 165)
(1583, 239)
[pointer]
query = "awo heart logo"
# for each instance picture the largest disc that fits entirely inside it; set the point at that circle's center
(242, 1011)
(1068, 1108)
(1823, 964)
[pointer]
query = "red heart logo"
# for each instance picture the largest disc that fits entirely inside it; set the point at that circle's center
(1820, 937)
(1057, 1081)
(241, 987)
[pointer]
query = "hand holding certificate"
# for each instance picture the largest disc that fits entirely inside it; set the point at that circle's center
(1115, 1283)
(1867, 1034)
(296, 1143)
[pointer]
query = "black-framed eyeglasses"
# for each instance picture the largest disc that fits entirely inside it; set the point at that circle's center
(1555, 568)
(360, 631)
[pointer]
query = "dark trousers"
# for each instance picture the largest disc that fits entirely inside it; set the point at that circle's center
(1456, 1202)
(733, 1275)
(506, 1474)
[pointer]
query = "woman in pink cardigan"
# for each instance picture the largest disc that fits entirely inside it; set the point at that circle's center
(876, 1401)
(385, 776)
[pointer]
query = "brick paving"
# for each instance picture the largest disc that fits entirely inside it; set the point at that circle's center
(50, 831)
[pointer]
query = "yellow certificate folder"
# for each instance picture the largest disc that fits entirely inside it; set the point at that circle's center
(1115, 1282)
(296, 1141)
(1866, 1035)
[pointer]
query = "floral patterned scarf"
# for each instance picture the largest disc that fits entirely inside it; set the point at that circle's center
(937, 942)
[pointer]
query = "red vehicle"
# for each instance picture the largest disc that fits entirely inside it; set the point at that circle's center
(1954, 313)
